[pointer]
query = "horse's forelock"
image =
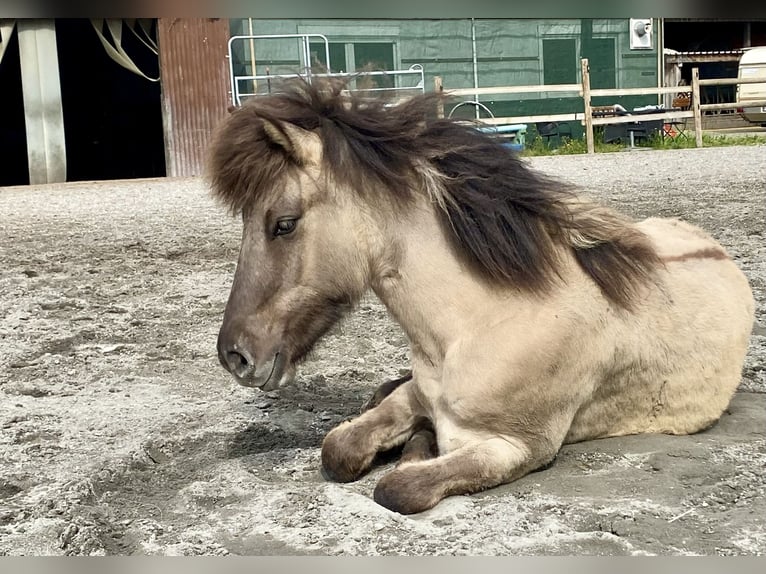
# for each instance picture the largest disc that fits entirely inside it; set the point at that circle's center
(244, 161)
(361, 146)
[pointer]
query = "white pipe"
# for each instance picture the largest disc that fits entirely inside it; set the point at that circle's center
(475, 64)
(252, 55)
(661, 58)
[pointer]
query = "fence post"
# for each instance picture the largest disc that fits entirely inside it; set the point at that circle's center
(586, 101)
(696, 106)
(439, 89)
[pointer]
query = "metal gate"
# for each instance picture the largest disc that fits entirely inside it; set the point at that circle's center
(404, 83)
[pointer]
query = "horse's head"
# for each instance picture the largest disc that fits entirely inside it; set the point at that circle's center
(301, 262)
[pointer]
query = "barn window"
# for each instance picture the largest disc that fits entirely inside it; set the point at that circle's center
(358, 56)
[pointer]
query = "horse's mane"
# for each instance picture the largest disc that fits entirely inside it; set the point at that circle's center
(506, 220)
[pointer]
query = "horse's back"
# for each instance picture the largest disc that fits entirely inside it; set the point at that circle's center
(699, 273)
(673, 238)
(679, 357)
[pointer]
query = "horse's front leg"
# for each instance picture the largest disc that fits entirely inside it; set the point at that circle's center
(422, 444)
(349, 449)
(417, 486)
(384, 390)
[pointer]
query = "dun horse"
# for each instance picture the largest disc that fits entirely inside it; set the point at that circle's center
(535, 317)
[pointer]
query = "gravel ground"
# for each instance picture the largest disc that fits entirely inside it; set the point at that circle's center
(121, 434)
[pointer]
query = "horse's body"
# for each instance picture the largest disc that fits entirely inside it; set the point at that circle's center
(535, 318)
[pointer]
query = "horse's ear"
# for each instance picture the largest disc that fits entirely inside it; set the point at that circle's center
(300, 144)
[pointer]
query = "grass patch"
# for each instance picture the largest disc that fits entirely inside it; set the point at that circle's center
(538, 147)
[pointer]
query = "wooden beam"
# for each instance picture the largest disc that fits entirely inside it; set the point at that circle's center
(696, 106)
(439, 89)
(701, 58)
(588, 111)
(515, 90)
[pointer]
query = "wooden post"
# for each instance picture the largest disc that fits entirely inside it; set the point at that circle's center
(588, 110)
(696, 106)
(439, 89)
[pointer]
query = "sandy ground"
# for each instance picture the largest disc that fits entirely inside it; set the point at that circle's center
(121, 434)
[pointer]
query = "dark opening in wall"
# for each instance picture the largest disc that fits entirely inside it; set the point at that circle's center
(13, 136)
(112, 117)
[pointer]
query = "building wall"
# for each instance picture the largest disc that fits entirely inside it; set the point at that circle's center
(195, 88)
(509, 51)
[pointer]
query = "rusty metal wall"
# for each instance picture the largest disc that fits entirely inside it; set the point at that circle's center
(195, 88)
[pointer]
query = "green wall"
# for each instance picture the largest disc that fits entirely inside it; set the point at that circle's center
(509, 52)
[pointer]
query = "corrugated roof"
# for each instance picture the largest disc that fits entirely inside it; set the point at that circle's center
(674, 57)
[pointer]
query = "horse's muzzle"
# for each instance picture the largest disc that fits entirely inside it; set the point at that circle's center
(266, 374)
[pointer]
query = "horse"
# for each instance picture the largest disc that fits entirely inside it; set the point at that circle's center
(536, 316)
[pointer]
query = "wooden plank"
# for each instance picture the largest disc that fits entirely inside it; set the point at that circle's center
(640, 91)
(586, 95)
(514, 90)
(732, 105)
(660, 115)
(730, 81)
(571, 117)
(701, 58)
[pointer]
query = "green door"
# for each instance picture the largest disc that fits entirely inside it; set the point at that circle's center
(559, 61)
(600, 54)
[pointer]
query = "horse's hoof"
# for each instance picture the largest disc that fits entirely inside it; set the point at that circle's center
(333, 475)
(341, 459)
(402, 492)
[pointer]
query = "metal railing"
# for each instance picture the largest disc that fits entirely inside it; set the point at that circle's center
(268, 83)
(400, 83)
(304, 42)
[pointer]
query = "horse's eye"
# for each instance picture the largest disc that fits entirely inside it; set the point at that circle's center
(284, 226)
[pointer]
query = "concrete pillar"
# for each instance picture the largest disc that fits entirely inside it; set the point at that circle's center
(43, 110)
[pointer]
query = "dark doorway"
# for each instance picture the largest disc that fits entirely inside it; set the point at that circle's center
(690, 35)
(112, 117)
(13, 135)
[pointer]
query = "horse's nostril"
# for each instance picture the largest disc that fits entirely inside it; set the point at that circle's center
(239, 363)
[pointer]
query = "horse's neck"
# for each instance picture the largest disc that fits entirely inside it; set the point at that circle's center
(426, 288)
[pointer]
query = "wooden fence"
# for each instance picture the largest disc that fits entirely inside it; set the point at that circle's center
(587, 118)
